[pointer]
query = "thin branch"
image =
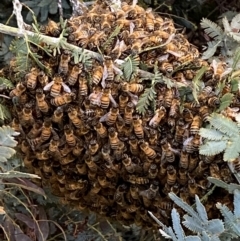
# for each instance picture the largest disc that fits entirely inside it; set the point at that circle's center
(62, 43)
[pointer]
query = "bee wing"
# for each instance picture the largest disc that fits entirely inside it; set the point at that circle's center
(104, 118)
(117, 70)
(134, 98)
(175, 53)
(66, 88)
(152, 120)
(214, 66)
(134, 3)
(132, 26)
(227, 71)
(48, 86)
(105, 75)
(114, 103)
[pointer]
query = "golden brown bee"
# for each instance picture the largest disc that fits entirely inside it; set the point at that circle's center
(41, 102)
(31, 78)
(149, 152)
(193, 161)
(214, 170)
(136, 47)
(96, 39)
(213, 102)
(113, 138)
(18, 90)
(55, 86)
(205, 93)
(51, 28)
(150, 18)
(128, 164)
(166, 67)
(184, 160)
(35, 130)
(93, 147)
(73, 75)
(196, 124)
(60, 100)
(132, 87)
(183, 178)
(153, 171)
(80, 34)
(69, 135)
(46, 130)
(192, 187)
(42, 78)
(101, 130)
(97, 74)
(67, 159)
(159, 115)
(63, 64)
(42, 156)
(133, 142)
(106, 98)
(123, 100)
(171, 175)
(57, 116)
(137, 126)
(25, 148)
(111, 116)
(149, 195)
(26, 118)
(74, 117)
(167, 151)
(204, 112)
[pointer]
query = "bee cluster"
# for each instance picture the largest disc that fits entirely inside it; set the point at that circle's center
(81, 132)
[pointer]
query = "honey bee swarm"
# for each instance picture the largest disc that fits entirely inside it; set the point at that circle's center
(84, 136)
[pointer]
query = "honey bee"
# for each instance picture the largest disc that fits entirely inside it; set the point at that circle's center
(42, 78)
(137, 126)
(193, 161)
(57, 116)
(55, 86)
(150, 18)
(80, 34)
(67, 159)
(42, 156)
(133, 179)
(204, 112)
(18, 90)
(133, 142)
(205, 93)
(113, 138)
(219, 70)
(195, 125)
(214, 170)
(153, 171)
(171, 175)
(184, 160)
(123, 100)
(106, 98)
(166, 67)
(160, 113)
(26, 118)
(128, 164)
(63, 64)
(63, 99)
(35, 130)
(31, 78)
(81, 168)
(101, 130)
(97, 74)
(149, 195)
(73, 116)
(149, 152)
(183, 178)
(93, 147)
(51, 28)
(41, 102)
(46, 130)
(214, 102)
(192, 187)
(69, 135)
(111, 116)
(167, 151)
(132, 87)
(104, 182)
(73, 75)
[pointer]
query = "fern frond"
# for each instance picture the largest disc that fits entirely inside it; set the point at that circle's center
(215, 226)
(5, 83)
(197, 83)
(225, 125)
(177, 225)
(236, 58)
(193, 225)
(201, 210)
(16, 174)
(211, 49)
(226, 25)
(211, 134)
(145, 100)
(184, 206)
(192, 238)
(232, 150)
(130, 66)
(111, 37)
(235, 23)
(211, 148)
(225, 101)
(236, 203)
(212, 29)
(4, 112)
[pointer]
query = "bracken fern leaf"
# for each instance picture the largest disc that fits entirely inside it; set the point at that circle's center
(130, 67)
(5, 83)
(211, 134)
(177, 225)
(211, 148)
(212, 29)
(232, 150)
(145, 100)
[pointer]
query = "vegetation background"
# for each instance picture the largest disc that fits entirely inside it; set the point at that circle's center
(28, 212)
